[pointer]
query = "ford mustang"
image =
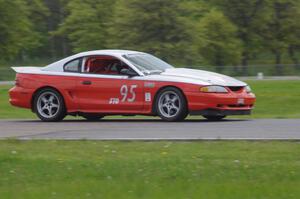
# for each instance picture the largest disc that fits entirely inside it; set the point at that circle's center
(99, 83)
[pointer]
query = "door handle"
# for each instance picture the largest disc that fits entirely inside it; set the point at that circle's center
(86, 82)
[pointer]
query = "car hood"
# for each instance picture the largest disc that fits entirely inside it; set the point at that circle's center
(210, 78)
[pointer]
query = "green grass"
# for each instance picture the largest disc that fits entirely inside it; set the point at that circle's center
(275, 99)
(90, 169)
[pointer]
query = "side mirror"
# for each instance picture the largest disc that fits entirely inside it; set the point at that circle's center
(128, 72)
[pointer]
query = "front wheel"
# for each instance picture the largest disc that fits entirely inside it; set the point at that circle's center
(214, 117)
(49, 105)
(171, 105)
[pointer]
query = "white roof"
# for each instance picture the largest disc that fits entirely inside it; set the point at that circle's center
(107, 52)
(58, 66)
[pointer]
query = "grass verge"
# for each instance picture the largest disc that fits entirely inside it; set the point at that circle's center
(275, 99)
(90, 169)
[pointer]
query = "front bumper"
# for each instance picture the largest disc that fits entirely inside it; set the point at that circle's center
(231, 103)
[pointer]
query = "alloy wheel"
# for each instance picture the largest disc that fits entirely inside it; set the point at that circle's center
(48, 104)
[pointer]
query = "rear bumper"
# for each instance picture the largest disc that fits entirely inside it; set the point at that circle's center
(20, 97)
(215, 112)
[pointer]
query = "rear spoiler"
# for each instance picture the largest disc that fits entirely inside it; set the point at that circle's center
(27, 69)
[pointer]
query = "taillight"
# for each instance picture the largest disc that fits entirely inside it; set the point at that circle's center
(17, 82)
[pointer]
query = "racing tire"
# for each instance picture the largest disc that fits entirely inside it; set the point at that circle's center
(93, 117)
(214, 117)
(49, 105)
(171, 105)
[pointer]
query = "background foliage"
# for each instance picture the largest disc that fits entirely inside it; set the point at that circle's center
(183, 32)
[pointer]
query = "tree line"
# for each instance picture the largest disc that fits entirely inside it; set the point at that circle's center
(183, 32)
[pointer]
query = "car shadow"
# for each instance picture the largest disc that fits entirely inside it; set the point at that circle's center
(134, 121)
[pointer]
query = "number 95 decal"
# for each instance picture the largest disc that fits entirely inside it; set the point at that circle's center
(129, 97)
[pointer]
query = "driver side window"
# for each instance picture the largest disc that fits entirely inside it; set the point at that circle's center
(104, 65)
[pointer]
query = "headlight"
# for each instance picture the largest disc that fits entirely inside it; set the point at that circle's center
(213, 89)
(248, 89)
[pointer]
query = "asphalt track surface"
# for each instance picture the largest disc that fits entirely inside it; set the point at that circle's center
(139, 129)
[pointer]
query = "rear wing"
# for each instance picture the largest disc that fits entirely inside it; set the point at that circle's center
(27, 69)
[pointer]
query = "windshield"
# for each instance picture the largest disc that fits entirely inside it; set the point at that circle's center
(147, 64)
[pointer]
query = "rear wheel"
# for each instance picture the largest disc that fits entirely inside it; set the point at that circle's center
(49, 105)
(214, 117)
(171, 105)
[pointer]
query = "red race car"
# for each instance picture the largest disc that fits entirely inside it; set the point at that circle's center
(95, 84)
